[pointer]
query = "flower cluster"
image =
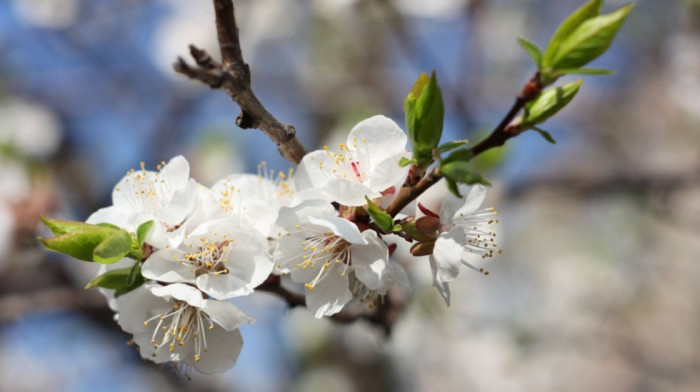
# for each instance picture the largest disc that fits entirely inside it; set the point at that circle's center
(195, 248)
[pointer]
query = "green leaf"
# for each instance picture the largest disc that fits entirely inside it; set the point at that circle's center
(403, 162)
(113, 248)
(591, 39)
(113, 279)
(586, 71)
(425, 112)
(462, 172)
(80, 244)
(108, 225)
(546, 135)
(459, 155)
(548, 103)
(379, 216)
(59, 227)
(452, 187)
(532, 50)
(142, 232)
(449, 146)
(566, 28)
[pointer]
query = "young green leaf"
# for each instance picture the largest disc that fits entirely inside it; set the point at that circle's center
(532, 50)
(546, 135)
(59, 227)
(572, 22)
(462, 172)
(108, 225)
(586, 71)
(379, 216)
(142, 232)
(452, 187)
(134, 273)
(113, 279)
(548, 103)
(403, 162)
(591, 39)
(425, 112)
(113, 248)
(78, 243)
(449, 146)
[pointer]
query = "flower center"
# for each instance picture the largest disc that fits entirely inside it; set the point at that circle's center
(323, 251)
(478, 232)
(210, 257)
(180, 325)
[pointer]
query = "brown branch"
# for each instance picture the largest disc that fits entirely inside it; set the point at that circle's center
(498, 137)
(233, 77)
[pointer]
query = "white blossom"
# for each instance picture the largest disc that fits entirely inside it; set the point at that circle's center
(466, 230)
(332, 258)
(174, 323)
(221, 258)
(366, 166)
(168, 197)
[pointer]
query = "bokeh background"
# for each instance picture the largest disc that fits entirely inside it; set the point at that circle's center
(598, 287)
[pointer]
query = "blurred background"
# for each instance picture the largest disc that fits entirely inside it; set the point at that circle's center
(597, 288)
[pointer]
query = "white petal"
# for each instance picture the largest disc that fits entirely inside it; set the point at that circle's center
(310, 173)
(448, 255)
(330, 295)
(176, 209)
(371, 261)
(399, 276)
(223, 286)
(176, 172)
(115, 215)
(289, 217)
(162, 266)
(345, 192)
(226, 314)
(340, 227)
(223, 349)
(388, 173)
(380, 136)
(442, 287)
(473, 200)
(179, 291)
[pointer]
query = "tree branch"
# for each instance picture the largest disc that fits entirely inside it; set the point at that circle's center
(233, 77)
(498, 137)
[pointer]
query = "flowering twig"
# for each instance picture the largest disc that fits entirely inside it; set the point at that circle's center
(498, 137)
(232, 76)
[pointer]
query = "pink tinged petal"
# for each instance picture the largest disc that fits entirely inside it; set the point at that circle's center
(448, 255)
(176, 172)
(340, 227)
(164, 266)
(179, 291)
(223, 349)
(377, 138)
(370, 262)
(226, 314)
(330, 295)
(289, 217)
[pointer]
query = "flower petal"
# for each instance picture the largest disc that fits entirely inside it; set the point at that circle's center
(179, 291)
(442, 287)
(226, 314)
(340, 227)
(448, 255)
(223, 349)
(330, 295)
(377, 139)
(290, 217)
(371, 261)
(164, 266)
(176, 172)
(388, 173)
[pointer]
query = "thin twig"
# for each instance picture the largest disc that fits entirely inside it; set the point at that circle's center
(232, 76)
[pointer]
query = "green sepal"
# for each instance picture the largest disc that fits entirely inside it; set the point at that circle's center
(462, 172)
(113, 248)
(142, 232)
(591, 39)
(548, 103)
(546, 135)
(379, 216)
(568, 26)
(449, 146)
(113, 279)
(532, 50)
(403, 162)
(411, 229)
(425, 112)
